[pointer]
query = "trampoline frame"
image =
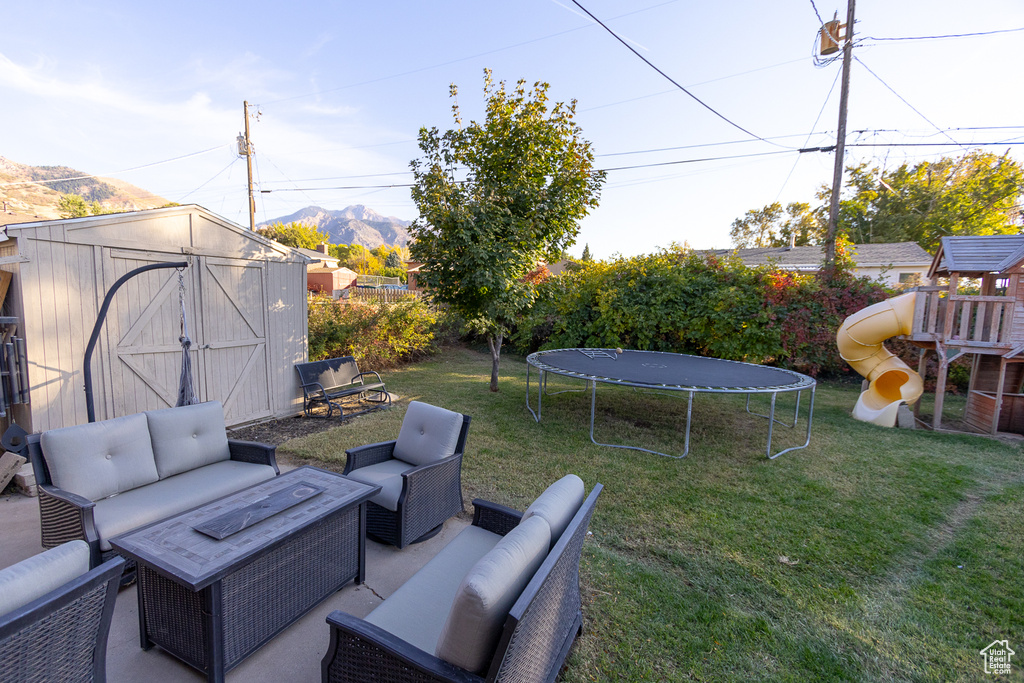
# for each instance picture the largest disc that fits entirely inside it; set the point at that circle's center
(801, 384)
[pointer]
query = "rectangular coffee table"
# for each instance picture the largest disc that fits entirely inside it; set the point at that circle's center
(212, 603)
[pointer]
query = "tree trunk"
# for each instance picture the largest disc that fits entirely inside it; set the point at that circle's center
(494, 342)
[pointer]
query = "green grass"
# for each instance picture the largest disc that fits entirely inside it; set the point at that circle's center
(873, 555)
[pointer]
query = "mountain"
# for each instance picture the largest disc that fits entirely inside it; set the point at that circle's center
(27, 198)
(352, 225)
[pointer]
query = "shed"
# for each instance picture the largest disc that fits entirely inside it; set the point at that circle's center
(245, 302)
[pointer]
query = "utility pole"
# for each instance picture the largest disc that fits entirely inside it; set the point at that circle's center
(837, 175)
(245, 148)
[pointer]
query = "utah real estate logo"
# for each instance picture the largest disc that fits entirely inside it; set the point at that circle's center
(997, 657)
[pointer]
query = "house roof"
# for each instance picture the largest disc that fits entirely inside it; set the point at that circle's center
(811, 258)
(330, 269)
(977, 254)
(317, 256)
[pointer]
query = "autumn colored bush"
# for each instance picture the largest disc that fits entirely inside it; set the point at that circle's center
(377, 335)
(681, 301)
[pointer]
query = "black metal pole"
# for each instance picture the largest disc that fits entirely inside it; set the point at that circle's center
(87, 370)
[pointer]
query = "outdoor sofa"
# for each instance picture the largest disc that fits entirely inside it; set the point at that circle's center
(55, 616)
(420, 475)
(101, 479)
(500, 602)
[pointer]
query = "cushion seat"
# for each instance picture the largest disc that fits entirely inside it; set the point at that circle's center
(418, 610)
(129, 510)
(387, 475)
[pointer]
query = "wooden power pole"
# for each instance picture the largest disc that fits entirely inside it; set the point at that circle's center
(837, 175)
(246, 149)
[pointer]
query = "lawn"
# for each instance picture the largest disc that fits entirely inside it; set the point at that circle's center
(873, 555)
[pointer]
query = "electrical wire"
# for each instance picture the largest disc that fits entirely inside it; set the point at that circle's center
(901, 98)
(670, 79)
(951, 35)
(115, 173)
(811, 134)
(220, 172)
(456, 61)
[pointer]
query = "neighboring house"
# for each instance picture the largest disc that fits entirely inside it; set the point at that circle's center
(412, 270)
(893, 262)
(325, 273)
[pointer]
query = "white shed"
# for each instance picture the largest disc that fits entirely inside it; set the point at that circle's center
(245, 302)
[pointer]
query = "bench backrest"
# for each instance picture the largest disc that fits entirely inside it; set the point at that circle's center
(328, 373)
(544, 620)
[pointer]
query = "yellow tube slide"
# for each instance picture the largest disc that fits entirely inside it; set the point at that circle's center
(892, 382)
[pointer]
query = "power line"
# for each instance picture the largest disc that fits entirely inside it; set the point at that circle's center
(813, 126)
(456, 61)
(114, 173)
(951, 35)
(861, 62)
(670, 79)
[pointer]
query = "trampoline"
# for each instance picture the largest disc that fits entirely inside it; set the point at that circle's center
(671, 372)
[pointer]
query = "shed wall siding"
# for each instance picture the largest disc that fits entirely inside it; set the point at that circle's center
(245, 305)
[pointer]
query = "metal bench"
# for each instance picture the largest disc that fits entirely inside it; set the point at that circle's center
(333, 380)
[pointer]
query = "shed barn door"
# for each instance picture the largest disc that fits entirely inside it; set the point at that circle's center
(144, 321)
(233, 346)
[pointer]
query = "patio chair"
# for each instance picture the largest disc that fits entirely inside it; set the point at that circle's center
(55, 615)
(420, 475)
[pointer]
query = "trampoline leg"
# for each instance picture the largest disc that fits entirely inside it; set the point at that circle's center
(540, 393)
(686, 445)
(807, 441)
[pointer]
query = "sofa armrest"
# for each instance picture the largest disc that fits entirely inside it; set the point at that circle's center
(494, 517)
(66, 516)
(431, 493)
(371, 454)
(360, 651)
(254, 452)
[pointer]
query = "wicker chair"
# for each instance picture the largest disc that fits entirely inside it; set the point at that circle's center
(57, 616)
(420, 473)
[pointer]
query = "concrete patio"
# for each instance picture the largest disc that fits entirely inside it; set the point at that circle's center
(294, 655)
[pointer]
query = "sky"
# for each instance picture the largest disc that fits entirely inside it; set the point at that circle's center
(153, 93)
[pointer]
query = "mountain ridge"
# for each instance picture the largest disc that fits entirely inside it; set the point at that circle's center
(355, 224)
(27, 196)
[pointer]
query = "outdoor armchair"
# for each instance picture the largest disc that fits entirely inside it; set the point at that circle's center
(55, 615)
(420, 475)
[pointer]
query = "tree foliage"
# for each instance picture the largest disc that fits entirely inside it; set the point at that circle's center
(495, 199)
(75, 206)
(978, 193)
(973, 195)
(295, 234)
(773, 227)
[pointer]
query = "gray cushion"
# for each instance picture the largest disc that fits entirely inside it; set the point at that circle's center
(132, 509)
(188, 437)
(416, 612)
(487, 593)
(428, 434)
(558, 504)
(387, 475)
(40, 574)
(99, 459)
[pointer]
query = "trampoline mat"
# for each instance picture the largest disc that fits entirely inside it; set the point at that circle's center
(657, 368)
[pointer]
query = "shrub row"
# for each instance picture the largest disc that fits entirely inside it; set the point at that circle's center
(378, 335)
(683, 302)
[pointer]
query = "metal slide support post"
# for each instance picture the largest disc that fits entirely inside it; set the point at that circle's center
(87, 364)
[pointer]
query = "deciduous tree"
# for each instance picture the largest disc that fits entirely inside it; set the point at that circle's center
(495, 199)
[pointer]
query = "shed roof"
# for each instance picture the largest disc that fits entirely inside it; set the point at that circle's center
(119, 228)
(975, 255)
(811, 258)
